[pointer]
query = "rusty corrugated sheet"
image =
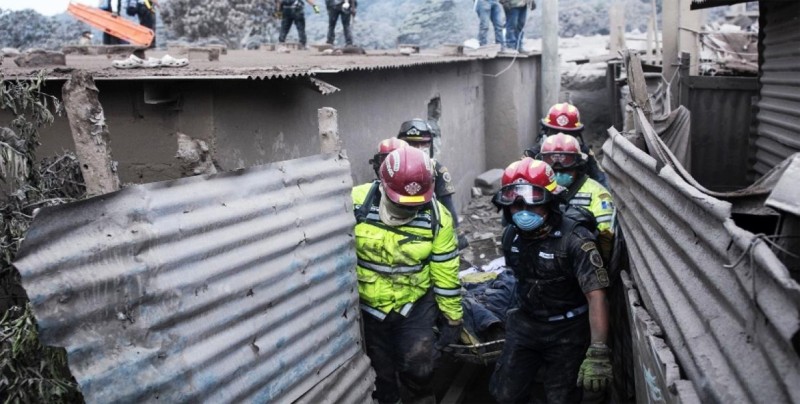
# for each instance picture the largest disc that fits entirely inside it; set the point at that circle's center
(721, 129)
(237, 287)
(779, 108)
(731, 328)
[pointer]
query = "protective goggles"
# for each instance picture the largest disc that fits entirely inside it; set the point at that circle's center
(530, 194)
(561, 160)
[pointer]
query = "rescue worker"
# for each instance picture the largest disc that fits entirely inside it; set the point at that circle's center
(385, 147)
(147, 16)
(419, 134)
(563, 153)
(292, 12)
(407, 266)
(560, 320)
(566, 118)
(112, 7)
(344, 9)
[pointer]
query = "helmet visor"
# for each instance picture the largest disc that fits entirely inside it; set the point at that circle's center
(527, 193)
(560, 160)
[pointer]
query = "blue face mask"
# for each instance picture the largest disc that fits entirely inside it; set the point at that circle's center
(527, 221)
(564, 179)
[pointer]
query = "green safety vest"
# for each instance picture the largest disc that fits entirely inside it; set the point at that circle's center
(398, 265)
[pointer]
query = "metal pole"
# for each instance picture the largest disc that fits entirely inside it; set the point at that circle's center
(551, 74)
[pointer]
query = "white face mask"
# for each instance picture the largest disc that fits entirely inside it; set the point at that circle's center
(393, 216)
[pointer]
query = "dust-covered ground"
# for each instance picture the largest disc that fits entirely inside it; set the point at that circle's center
(480, 223)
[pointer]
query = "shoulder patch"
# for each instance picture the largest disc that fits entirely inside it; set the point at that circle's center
(589, 246)
(446, 176)
(602, 276)
(605, 195)
(595, 259)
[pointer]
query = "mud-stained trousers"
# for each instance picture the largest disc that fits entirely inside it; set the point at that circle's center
(530, 344)
(403, 348)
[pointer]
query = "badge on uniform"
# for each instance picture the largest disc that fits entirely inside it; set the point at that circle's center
(595, 259)
(605, 205)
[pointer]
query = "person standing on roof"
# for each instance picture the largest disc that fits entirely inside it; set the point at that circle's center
(292, 12)
(344, 9)
(516, 14)
(560, 320)
(146, 11)
(563, 153)
(489, 10)
(407, 267)
(566, 118)
(109, 5)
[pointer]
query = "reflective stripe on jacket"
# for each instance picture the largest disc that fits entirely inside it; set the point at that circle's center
(395, 269)
(595, 198)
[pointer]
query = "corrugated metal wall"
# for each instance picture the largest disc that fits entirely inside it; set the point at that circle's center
(237, 287)
(732, 329)
(658, 377)
(721, 135)
(779, 108)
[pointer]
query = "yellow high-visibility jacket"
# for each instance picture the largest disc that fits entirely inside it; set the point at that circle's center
(398, 265)
(596, 198)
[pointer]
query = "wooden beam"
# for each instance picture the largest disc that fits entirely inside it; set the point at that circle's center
(90, 133)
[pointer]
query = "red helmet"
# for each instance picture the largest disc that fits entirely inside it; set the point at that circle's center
(385, 147)
(532, 180)
(562, 151)
(563, 117)
(407, 177)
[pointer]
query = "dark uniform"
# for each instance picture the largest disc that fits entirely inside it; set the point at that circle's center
(147, 17)
(293, 13)
(444, 189)
(549, 325)
(335, 11)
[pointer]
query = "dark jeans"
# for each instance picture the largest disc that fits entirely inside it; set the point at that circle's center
(333, 15)
(558, 346)
(404, 347)
(294, 16)
(515, 25)
(147, 18)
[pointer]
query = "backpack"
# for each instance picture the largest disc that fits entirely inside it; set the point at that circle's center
(132, 8)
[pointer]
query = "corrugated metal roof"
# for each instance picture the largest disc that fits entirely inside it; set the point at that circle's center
(779, 108)
(732, 328)
(701, 4)
(237, 287)
(240, 65)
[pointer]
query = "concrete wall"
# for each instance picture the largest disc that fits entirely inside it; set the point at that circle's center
(255, 122)
(512, 107)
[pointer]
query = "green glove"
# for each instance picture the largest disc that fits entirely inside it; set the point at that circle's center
(595, 373)
(316, 9)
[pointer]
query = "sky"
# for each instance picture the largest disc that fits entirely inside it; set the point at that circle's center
(46, 7)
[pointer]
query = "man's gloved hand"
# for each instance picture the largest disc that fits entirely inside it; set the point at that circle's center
(595, 373)
(449, 333)
(278, 14)
(316, 9)
(533, 5)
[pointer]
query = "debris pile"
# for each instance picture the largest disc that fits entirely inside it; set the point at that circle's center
(481, 224)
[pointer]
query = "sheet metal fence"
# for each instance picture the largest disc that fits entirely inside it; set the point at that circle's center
(779, 107)
(733, 329)
(722, 123)
(237, 287)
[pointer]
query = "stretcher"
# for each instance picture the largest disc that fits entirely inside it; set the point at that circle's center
(112, 24)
